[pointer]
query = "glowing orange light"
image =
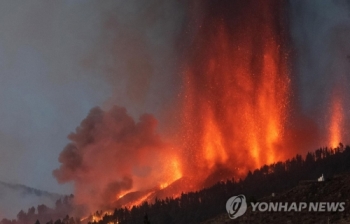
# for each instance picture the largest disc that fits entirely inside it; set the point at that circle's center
(236, 94)
(336, 121)
(140, 200)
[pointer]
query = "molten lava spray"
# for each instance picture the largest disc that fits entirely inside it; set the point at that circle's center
(321, 68)
(236, 87)
(336, 121)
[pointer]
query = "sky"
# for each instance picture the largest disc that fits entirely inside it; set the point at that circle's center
(319, 32)
(59, 59)
(44, 89)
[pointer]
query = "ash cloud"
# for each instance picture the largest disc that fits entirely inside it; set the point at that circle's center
(117, 186)
(109, 154)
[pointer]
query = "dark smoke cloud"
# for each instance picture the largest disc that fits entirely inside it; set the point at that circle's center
(109, 154)
(117, 186)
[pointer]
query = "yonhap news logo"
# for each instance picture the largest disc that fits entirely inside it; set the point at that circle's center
(236, 206)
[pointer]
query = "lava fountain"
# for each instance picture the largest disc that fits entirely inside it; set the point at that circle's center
(236, 87)
(336, 120)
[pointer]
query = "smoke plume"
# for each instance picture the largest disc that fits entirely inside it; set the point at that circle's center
(110, 154)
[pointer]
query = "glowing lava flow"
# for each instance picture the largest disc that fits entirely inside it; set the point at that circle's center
(96, 217)
(140, 200)
(237, 90)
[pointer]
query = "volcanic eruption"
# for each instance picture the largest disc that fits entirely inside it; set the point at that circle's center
(237, 87)
(235, 114)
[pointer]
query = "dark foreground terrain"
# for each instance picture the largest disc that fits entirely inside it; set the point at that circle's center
(336, 189)
(208, 205)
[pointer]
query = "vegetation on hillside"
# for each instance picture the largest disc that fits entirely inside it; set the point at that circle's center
(195, 207)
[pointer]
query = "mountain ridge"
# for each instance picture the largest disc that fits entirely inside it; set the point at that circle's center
(17, 197)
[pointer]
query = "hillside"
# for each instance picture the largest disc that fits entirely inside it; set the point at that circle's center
(336, 189)
(208, 203)
(15, 197)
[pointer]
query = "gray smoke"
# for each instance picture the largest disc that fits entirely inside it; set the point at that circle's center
(59, 59)
(110, 153)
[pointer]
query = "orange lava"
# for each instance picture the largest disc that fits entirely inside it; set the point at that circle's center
(122, 195)
(236, 91)
(172, 170)
(140, 200)
(96, 217)
(336, 121)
